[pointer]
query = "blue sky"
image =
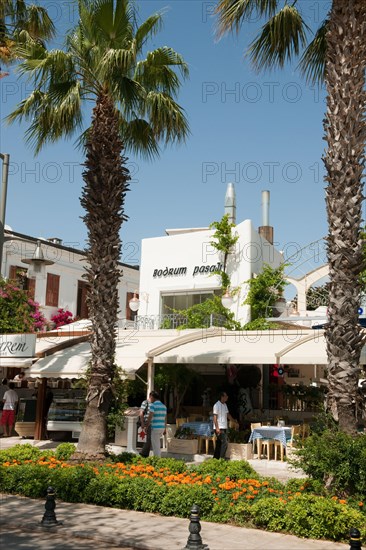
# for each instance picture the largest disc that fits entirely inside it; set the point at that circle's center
(259, 131)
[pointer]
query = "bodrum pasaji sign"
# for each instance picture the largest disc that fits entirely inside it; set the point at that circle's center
(17, 345)
(198, 269)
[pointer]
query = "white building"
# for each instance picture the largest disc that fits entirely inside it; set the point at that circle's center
(177, 269)
(62, 285)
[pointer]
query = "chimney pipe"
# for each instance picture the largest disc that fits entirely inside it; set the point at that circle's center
(266, 230)
(230, 203)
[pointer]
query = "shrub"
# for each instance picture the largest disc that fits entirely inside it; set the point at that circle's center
(336, 459)
(64, 451)
(269, 513)
(18, 313)
(20, 453)
(317, 517)
(179, 500)
(62, 317)
(236, 469)
(70, 483)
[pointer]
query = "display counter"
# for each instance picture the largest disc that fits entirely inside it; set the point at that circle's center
(66, 415)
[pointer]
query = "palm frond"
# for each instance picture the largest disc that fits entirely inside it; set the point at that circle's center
(107, 23)
(139, 138)
(312, 63)
(166, 117)
(38, 23)
(117, 61)
(280, 40)
(127, 92)
(148, 29)
(27, 107)
(233, 13)
(50, 124)
(155, 71)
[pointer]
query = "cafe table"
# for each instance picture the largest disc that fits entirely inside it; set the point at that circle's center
(278, 433)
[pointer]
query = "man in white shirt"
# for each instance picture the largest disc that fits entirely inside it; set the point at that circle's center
(220, 420)
(10, 400)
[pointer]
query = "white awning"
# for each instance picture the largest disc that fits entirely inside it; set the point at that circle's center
(19, 362)
(131, 353)
(290, 347)
(211, 346)
(67, 363)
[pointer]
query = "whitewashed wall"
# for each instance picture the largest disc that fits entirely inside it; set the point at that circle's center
(69, 264)
(183, 263)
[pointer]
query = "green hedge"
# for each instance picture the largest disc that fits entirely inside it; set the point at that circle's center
(225, 491)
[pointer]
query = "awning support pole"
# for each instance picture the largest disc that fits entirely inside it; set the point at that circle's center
(40, 410)
(150, 376)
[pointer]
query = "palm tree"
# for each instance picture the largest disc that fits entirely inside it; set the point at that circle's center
(21, 22)
(134, 108)
(336, 54)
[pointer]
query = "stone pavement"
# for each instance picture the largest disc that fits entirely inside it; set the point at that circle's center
(110, 527)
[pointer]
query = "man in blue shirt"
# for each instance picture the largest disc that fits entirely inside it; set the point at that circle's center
(157, 421)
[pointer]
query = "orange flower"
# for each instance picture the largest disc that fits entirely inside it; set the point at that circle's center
(360, 504)
(342, 501)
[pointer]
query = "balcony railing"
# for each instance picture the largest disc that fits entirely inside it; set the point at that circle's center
(171, 321)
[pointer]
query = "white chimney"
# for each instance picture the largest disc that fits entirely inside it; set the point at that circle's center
(230, 203)
(266, 230)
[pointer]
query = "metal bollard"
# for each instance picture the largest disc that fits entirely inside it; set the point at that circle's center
(49, 517)
(194, 541)
(355, 539)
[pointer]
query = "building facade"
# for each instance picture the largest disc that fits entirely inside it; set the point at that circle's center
(62, 285)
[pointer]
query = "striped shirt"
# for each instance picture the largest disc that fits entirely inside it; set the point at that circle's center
(159, 415)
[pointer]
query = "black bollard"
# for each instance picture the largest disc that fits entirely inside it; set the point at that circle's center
(194, 541)
(355, 539)
(49, 517)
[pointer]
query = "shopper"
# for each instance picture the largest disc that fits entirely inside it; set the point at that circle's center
(144, 415)
(220, 420)
(157, 421)
(10, 400)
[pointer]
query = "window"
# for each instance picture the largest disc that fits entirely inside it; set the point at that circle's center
(181, 301)
(53, 285)
(81, 306)
(19, 274)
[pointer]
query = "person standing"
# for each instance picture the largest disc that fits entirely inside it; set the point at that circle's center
(4, 387)
(10, 400)
(144, 415)
(220, 420)
(157, 421)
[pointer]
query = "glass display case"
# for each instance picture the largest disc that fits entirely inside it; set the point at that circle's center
(66, 415)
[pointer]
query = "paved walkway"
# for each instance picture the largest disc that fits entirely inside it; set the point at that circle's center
(128, 529)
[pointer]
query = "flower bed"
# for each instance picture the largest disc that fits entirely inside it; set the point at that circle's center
(225, 491)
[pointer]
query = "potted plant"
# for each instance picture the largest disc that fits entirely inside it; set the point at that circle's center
(238, 448)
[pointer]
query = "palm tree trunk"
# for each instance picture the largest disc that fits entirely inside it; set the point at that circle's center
(103, 196)
(345, 134)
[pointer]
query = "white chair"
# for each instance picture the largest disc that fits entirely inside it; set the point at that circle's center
(295, 433)
(255, 441)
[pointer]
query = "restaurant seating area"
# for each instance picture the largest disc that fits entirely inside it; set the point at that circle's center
(269, 440)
